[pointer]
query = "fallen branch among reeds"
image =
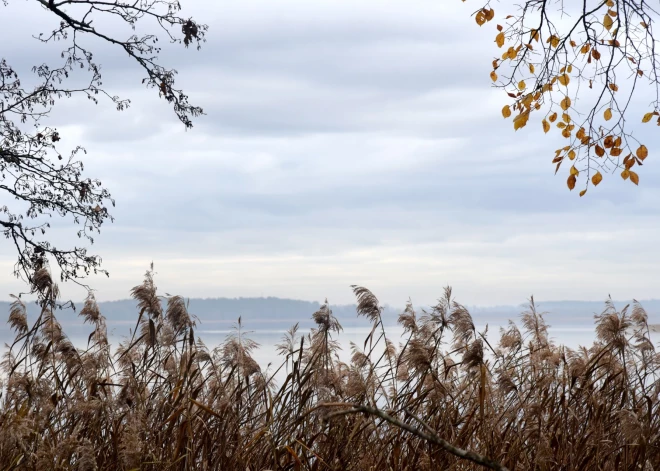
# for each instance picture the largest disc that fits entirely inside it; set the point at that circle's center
(429, 435)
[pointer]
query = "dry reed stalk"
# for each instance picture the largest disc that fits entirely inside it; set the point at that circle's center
(447, 397)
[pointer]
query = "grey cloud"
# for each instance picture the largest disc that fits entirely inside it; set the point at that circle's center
(348, 143)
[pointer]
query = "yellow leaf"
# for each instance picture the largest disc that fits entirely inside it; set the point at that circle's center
(564, 79)
(480, 18)
(574, 171)
(571, 182)
(510, 53)
(566, 118)
(585, 48)
(583, 192)
(608, 22)
(520, 121)
(625, 174)
(493, 76)
(566, 133)
(570, 67)
(608, 114)
(647, 117)
(634, 177)
(506, 111)
(616, 151)
(596, 179)
(565, 103)
(531, 68)
(553, 117)
(499, 39)
(571, 154)
(642, 152)
(521, 85)
(614, 87)
(546, 126)
(628, 162)
(534, 35)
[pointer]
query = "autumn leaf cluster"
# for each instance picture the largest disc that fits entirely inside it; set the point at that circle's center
(565, 63)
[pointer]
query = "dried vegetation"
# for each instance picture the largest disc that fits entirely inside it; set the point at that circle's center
(447, 397)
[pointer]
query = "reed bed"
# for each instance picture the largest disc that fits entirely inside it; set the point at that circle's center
(446, 397)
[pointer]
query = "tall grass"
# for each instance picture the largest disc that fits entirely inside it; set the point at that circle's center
(446, 398)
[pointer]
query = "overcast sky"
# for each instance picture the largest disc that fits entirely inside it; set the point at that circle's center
(344, 143)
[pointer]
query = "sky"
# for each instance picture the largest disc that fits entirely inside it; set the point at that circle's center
(343, 143)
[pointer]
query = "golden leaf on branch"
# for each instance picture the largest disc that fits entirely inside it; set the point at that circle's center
(480, 18)
(499, 39)
(571, 182)
(634, 177)
(520, 121)
(546, 126)
(642, 152)
(553, 40)
(597, 178)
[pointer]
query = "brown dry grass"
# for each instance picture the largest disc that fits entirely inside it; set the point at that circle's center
(163, 401)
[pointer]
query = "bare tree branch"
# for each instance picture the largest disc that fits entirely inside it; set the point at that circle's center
(33, 171)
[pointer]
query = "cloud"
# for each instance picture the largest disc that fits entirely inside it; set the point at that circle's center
(347, 143)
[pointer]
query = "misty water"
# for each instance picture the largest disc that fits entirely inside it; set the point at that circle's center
(572, 336)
